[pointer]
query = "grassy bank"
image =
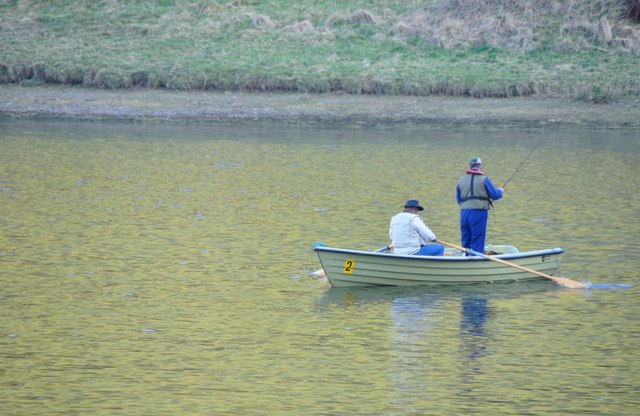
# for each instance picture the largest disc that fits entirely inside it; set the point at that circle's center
(584, 49)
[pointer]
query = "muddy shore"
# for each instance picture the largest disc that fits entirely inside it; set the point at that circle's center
(145, 105)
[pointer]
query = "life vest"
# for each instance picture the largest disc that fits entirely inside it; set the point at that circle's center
(473, 194)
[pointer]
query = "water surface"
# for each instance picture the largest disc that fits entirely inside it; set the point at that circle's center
(164, 269)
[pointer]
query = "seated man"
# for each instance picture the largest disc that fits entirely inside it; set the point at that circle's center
(409, 234)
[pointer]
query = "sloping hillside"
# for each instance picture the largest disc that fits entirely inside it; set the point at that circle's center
(480, 48)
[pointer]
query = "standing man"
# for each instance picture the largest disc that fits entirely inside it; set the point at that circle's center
(409, 234)
(475, 194)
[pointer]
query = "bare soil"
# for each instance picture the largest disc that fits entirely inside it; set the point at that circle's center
(148, 105)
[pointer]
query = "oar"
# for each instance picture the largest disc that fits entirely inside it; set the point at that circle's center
(321, 273)
(563, 281)
(388, 247)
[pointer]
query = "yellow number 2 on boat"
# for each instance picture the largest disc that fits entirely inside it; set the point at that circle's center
(348, 266)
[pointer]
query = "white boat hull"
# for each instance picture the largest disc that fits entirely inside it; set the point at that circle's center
(344, 267)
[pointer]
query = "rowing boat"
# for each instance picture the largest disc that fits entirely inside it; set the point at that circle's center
(344, 267)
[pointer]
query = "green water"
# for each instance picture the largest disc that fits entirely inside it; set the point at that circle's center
(164, 269)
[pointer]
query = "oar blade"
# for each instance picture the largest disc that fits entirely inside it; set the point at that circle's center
(570, 284)
(319, 273)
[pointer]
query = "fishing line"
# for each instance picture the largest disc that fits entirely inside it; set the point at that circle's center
(521, 164)
(514, 174)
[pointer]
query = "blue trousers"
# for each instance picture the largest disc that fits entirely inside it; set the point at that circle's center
(473, 228)
(430, 250)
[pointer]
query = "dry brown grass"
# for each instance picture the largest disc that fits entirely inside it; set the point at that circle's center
(632, 10)
(523, 24)
(364, 16)
(300, 28)
(261, 21)
(506, 24)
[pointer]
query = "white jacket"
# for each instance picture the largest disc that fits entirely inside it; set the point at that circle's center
(408, 232)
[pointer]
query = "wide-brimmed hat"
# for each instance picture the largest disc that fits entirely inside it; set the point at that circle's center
(413, 203)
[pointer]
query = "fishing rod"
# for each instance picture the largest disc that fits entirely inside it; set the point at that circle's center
(521, 164)
(512, 175)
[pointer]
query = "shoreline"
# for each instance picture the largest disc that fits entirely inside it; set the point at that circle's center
(149, 105)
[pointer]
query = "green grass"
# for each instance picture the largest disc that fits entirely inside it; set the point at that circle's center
(357, 47)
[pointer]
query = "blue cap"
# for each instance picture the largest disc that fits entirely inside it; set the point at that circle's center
(475, 161)
(413, 203)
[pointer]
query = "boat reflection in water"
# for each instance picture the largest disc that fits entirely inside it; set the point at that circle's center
(437, 334)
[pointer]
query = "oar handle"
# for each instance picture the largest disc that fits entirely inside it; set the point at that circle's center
(388, 247)
(517, 266)
(559, 280)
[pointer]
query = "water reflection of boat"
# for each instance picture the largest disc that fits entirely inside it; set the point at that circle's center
(437, 335)
(365, 268)
(361, 295)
